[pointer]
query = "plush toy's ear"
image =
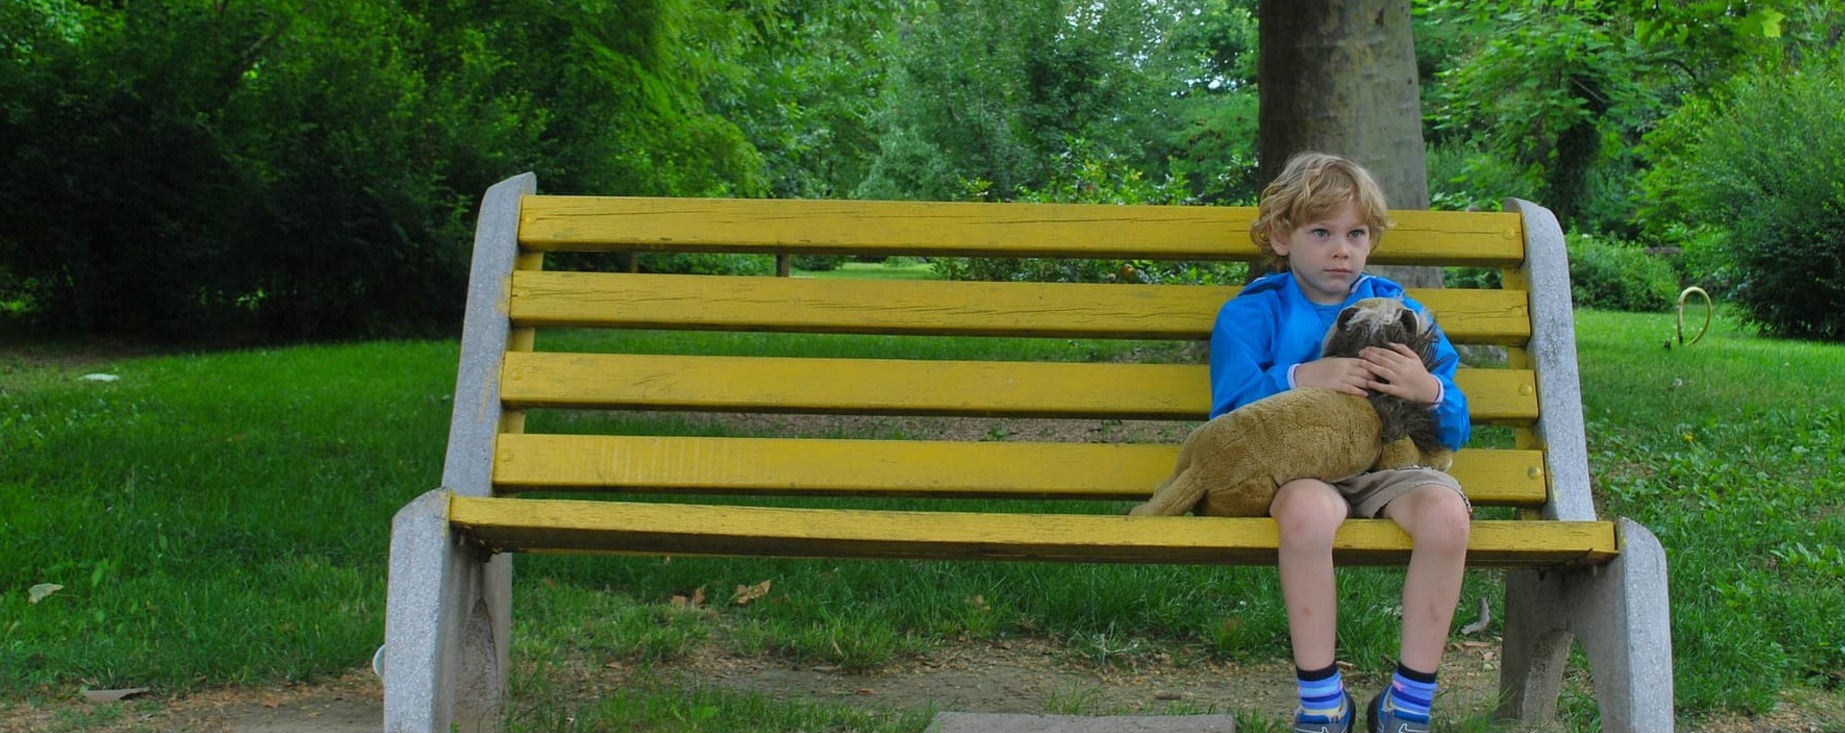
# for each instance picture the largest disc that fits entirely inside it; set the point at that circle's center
(1345, 317)
(1410, 321)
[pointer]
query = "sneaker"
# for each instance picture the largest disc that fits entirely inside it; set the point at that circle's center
(1383, 718)
(1341, 723)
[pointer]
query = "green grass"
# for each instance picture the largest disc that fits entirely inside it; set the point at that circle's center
(887, 270)
(1729, 450)
(223, 518)
(211, 519)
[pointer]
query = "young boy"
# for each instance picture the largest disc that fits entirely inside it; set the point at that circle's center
(1320, 219)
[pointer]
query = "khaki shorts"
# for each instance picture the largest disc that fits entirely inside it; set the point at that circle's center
(1368, 493)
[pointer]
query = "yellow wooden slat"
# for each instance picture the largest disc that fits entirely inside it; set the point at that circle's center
(911, 387)
(905, 467)
(592, 223)
(537, 525)
(938, 307)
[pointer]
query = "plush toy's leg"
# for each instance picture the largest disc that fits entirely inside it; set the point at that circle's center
(1176, 496)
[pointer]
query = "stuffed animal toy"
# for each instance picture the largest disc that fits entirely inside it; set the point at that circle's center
(1233, 465)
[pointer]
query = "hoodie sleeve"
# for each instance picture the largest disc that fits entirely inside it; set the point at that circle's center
(1243, 367)
(1451, 418)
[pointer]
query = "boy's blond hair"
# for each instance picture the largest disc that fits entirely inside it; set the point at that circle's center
(1313, 186)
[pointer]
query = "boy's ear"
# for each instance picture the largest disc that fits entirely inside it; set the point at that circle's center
(1278, 241)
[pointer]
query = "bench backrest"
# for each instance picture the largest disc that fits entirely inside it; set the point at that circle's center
(513, 296)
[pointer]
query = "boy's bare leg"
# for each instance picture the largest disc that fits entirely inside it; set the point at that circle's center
(1307, 513)
(1437, 519)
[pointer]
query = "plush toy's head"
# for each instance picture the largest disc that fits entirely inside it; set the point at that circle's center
(1379, 322)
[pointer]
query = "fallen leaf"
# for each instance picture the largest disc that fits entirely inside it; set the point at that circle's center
(272, 703)
(101, 696)
(747, 593)
(42, 591)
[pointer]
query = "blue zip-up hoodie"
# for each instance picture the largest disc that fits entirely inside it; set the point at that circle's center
(1271, 326)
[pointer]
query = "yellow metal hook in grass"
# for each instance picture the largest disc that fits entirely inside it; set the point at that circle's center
(1708, 311)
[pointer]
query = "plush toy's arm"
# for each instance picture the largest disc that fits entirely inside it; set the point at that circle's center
(1399, 453)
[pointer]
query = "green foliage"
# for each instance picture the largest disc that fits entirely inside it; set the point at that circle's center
(1553, 89)
(1564, 91)
(1467, 178)
(992, 92)
(1211, 139)
(1618, 276)
(805, 87)
(707, 263)
(817, 263)
(1213, 147)
(1753, 176)
(269, 170)
(1094, 178)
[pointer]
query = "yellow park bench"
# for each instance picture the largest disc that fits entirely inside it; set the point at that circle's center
(1569, 572)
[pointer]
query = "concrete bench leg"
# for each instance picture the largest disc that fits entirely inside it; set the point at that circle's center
(1620, 613)
(447, 622)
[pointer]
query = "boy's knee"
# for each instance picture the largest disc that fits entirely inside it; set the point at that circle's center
(1308, 511)
(1444, 520)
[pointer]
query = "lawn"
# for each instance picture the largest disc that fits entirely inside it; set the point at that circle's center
(899, 268)
(222, 518)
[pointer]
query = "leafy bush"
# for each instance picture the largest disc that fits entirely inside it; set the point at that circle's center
(707, 263)
(260, 171)
(817, 263)
(1487, 278)
(1088, 177)
(1464, 178)
(1618, 276)
(1754, 174)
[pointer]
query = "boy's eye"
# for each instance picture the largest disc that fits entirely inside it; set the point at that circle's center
(1320, 232)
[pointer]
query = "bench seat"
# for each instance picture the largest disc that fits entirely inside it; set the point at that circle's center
(626, 527)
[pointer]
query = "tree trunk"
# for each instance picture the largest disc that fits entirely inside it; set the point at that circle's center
(1340, 77)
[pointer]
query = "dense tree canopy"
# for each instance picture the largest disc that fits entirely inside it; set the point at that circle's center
(278, 169)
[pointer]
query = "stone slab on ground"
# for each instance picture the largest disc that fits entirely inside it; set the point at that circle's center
(953, 722)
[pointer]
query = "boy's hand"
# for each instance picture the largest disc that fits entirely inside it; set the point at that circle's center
(1398, 371)
(1351, 376)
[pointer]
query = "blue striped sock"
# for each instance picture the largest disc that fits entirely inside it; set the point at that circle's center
(1322, 692)
(1411, 693)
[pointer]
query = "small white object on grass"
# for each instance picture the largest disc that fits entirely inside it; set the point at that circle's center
(1479, 624)
(99, 377)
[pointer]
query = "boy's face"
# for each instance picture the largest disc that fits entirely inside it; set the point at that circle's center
(1326, 254)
